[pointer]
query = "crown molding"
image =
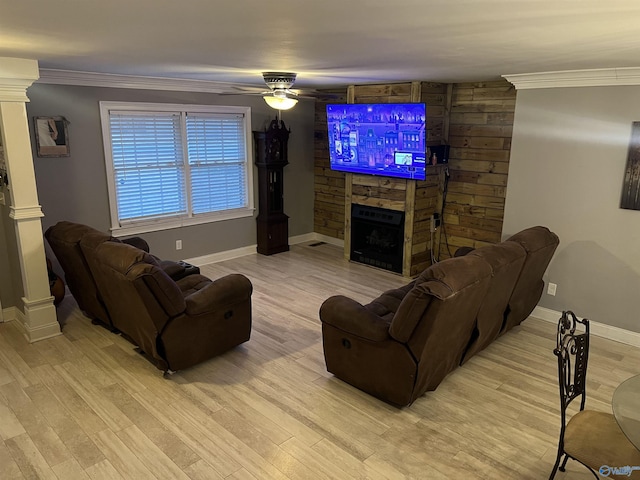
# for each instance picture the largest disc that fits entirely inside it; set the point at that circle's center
(112, 80)
(602, 77)
(16, 75)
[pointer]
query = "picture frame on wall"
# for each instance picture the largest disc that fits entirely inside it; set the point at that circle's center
(52, 136)
(630, 198)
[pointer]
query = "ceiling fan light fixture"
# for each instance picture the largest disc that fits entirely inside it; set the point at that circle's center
(280, 102)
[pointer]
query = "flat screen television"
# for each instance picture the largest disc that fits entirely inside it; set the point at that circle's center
(378, 139)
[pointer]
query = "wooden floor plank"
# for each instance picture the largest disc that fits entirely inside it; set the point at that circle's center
(86, 405)
(36, 425)
(29, 459)
(9, 469)
(63, 423)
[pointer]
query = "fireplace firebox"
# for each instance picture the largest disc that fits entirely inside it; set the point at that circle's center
(377, 236)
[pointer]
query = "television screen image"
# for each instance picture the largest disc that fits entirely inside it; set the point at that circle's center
(378, 139)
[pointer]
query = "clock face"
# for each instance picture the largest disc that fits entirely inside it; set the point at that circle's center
(275, 150)
(271, 146)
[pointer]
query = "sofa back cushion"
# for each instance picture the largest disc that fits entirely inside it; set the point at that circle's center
(165, 291)
(540, 244)
(506, 260)
(437, 317)
(64, 239)
(120, 272)
(387, 304)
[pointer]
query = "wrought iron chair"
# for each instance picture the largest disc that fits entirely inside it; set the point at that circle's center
(592, 438)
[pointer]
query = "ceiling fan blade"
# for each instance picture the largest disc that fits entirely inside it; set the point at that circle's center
(251, 90)
(279, 84)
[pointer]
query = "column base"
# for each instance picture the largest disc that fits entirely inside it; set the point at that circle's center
(39, 320)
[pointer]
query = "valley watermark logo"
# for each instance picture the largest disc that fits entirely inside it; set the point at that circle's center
(606, 470)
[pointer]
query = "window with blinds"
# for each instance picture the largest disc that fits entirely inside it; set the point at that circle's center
(217, 162)
(169, 166)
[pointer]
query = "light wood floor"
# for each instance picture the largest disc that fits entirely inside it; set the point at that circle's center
(85, 405)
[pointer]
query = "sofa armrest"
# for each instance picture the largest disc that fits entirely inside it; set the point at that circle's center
(227, 290)
(352, 317)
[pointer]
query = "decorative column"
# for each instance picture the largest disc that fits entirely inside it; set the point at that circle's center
(38, 319)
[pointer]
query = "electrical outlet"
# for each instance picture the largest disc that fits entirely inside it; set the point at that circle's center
(551, 289)
(178, 244)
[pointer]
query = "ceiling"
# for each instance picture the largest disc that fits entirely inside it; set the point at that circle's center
(328, 43)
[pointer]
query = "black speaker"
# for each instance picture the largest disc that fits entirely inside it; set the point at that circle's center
(437, 155)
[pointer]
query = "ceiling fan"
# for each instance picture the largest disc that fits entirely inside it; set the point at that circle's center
(280, 96)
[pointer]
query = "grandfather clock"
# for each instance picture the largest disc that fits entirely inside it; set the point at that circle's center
(271, 158)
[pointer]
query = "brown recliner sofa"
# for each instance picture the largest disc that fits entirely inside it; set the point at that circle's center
(179, 319)
(176, 324)
(406, 341)
(64, 239)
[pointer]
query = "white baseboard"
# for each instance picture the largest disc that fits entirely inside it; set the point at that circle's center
(599, 329)
(251, 249)
(12, 313)
(222, 256)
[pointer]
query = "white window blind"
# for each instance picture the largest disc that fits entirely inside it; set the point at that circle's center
(148, 165)
(171, 166)
(217, 161)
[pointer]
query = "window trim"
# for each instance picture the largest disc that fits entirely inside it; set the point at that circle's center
(158, 224)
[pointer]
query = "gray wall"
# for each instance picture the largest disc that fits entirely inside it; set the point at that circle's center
(11, 288)
(566, 170)
(75, 188)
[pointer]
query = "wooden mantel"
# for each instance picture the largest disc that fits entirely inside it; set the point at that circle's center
(417, 198)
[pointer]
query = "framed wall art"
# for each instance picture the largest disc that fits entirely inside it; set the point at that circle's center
(631, 183)
(52, 136)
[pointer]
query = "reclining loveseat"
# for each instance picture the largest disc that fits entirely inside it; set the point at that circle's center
(175, 316)
(176, 324)
(409, 339)
(64, 239)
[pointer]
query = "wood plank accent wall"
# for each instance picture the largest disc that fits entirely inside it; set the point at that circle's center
(329, 186)
(477, 118)
(480, 130)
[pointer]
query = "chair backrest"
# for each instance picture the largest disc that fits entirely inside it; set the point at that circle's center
(437, 317)
(572, 350)
(506, 260)
(540, 244)
(64, 238)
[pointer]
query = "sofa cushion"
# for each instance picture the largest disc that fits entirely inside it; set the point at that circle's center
(165, 290)
(386, 305)
(192, 284)
(506, 260)
(540, 244)
(64, 238)
(441, 281)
